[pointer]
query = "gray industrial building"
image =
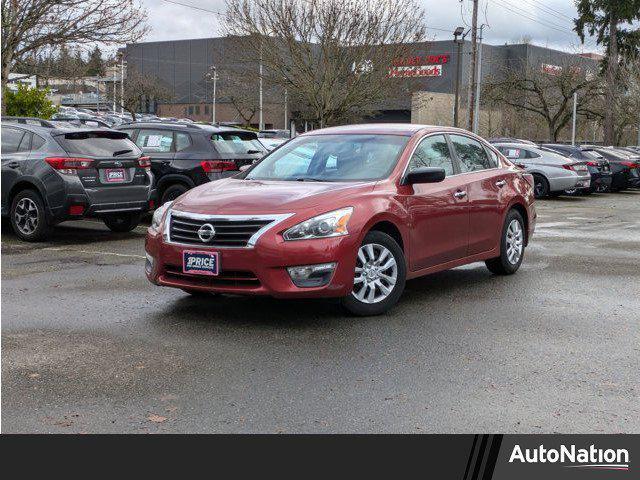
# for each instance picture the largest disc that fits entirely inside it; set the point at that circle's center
(183, 65)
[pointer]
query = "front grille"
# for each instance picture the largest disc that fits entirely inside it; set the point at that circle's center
(226, 278)
(229, 232)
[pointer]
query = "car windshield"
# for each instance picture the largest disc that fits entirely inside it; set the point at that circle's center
(236, 143)
(332, 158)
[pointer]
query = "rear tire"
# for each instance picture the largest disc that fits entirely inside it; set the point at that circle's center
(121, 223)
(172, 192)
(540, 186)
(511, 246)
(376, 289)
(28, 216)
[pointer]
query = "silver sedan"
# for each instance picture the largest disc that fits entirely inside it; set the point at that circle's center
(553, 173)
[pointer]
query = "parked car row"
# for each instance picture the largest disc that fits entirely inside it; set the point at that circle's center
(560, 169)
(73, 170)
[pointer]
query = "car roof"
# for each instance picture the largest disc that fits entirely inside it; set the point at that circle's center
(181, 126)
(514, 144)
(407, 129)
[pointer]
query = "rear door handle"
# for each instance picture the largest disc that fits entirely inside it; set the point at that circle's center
(460, 194)
(13, 164)
(501, 183)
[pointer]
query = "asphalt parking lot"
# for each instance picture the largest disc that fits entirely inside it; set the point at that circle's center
(88, 345)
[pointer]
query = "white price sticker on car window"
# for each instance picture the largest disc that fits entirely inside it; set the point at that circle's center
(154, 141)
(513, 153)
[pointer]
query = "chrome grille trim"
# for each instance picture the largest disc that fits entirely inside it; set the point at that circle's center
(273, 221)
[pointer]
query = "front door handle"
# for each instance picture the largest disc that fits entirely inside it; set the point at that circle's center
(460, 194)
(13, 164)
(501, 183)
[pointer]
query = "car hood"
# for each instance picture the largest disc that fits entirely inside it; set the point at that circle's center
(232, 196)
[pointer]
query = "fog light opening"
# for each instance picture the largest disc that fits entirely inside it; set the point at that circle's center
(306, 276)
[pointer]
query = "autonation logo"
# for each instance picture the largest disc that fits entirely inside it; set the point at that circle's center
(592, 457)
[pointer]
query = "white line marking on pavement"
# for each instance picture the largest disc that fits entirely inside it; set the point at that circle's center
(93, 252)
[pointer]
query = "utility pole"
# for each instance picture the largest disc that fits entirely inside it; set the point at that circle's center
(473, 69)
(575, 112)
(122, 84)
(459, 42)
(476, 114)
(114, 89)
(260, 120)
(286, 124)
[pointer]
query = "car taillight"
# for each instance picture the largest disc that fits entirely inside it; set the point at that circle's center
(69, 164)
(217, 166)
(630, 164)
(144, 162)
(593, 164)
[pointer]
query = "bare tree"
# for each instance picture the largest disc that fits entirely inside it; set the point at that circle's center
(242, 95)
(332, 56)
(139, 89)
(546, 91)
(30, 26)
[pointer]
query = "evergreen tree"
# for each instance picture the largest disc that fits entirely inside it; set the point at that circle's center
(95, 65)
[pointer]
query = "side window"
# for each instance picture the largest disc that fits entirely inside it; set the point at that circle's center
(471, 154)
(531, 154)
(432, 152)
(183, 141)
(25, 144)
(37, 142)
(11, 138)
(493, 157)
(155, 141)
(512, 153)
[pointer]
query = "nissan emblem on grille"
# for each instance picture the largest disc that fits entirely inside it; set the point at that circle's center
(206, 232)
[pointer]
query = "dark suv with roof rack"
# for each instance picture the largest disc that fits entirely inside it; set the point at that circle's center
(184, 155)
(52, 172)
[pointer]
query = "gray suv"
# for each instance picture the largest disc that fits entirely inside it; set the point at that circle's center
(52, 173)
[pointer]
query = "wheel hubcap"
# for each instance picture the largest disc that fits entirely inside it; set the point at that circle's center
(26, 216)
(514, 242)
(376, 273)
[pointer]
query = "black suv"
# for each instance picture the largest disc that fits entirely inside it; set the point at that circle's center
(53, 172)
(184, 155)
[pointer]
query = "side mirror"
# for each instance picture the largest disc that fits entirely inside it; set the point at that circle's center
(424, 175)
(244, 168)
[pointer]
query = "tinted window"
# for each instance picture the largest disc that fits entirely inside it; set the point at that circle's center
(37, 142)
(25, 144)
(182, 141)
(97, 144)
(236, 143)
(155, 141)
(11, 138)
(432, 152)
(471, 154)
(332, 158)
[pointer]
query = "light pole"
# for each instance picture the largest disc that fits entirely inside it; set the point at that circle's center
(213, 102)
(260, 120)
(458, 32)
(122, 84)
(286, 125)
(575, 113)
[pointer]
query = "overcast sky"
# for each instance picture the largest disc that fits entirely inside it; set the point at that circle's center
(545, 22)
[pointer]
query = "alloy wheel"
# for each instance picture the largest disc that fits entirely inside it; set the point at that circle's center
(514, 242)
(26, 216)
(376, 273)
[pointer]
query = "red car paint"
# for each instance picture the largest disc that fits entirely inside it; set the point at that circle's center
(438, 230)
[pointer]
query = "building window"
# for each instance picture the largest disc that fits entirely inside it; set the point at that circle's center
(197, 109)
(206, 110)
(190, 109)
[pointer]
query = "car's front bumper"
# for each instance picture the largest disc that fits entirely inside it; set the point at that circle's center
(261, 270)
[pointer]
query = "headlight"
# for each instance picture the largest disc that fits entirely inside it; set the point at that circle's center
(332, 224)
(156, 221)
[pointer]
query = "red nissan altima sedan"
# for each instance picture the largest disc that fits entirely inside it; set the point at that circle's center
(349, 212)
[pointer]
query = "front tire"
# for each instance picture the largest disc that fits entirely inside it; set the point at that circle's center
(511, 246)
(379, 277)
(28, 216)
(122, 223)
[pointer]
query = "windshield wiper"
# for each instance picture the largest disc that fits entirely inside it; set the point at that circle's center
(309, 179)
(121, 152)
